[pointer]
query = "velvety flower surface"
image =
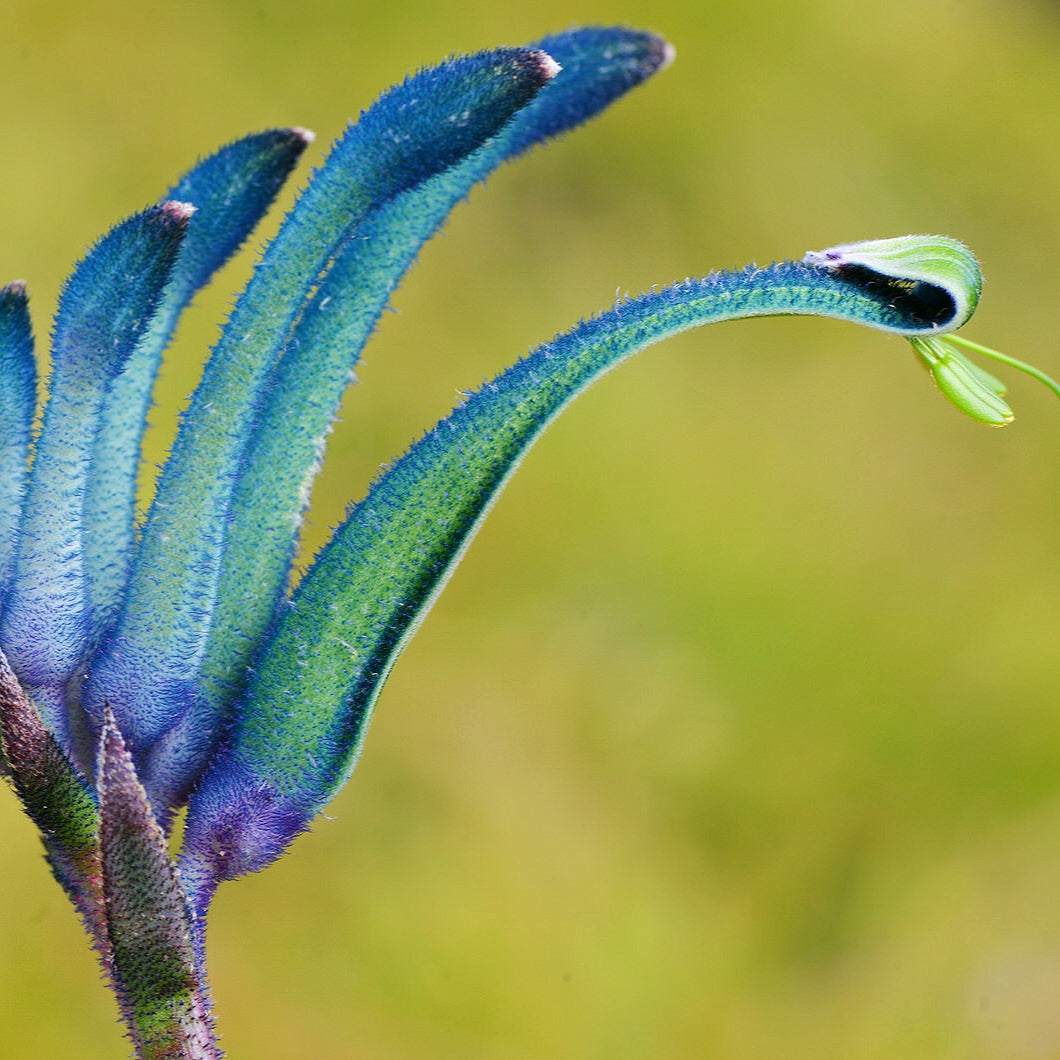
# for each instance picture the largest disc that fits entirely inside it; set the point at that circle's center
(144, 669)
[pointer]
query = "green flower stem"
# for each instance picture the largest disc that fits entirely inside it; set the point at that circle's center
(1004, 358)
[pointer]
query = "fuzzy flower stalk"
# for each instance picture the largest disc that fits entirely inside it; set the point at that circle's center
(145, 669)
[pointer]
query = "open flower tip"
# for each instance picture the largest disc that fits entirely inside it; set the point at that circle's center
(178, 211)
(549, 66)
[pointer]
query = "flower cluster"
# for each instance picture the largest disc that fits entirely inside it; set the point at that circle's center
(148, 668)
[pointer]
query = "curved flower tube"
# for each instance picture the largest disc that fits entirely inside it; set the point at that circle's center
(301, 726)
(136, 671)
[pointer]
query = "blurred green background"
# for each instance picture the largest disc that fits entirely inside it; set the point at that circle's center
(736, 736)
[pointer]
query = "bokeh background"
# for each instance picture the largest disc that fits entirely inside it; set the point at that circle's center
(737, 733)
